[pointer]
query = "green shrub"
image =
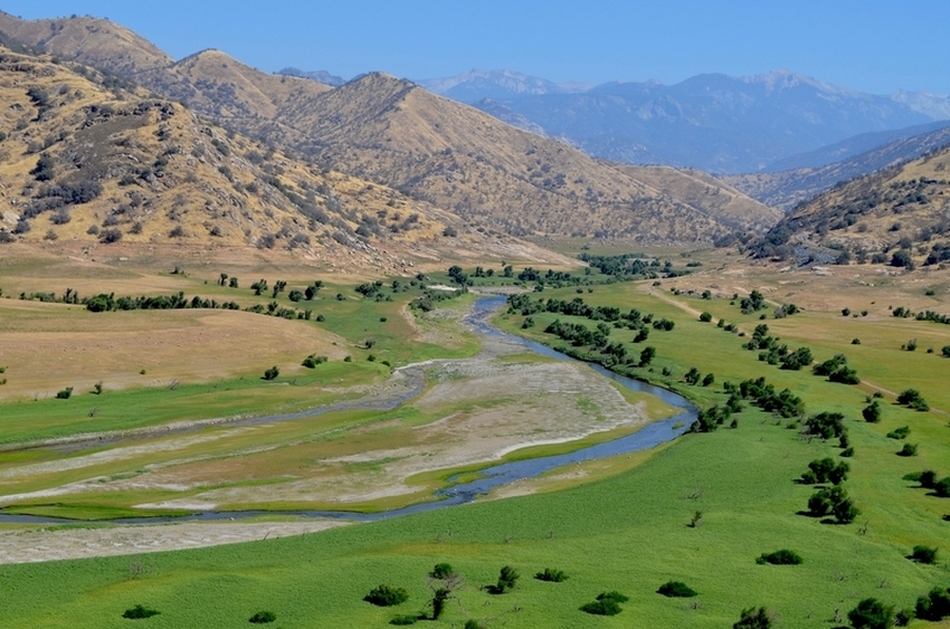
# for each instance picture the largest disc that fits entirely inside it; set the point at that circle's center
(753, 618)
(872, 412)
(871, 614)
(923, 554)
(899, 433)
(913, 399)
(442, 571)
(64, 394)
(676, 589)
(909, 449)
(552, 575)
(138, 612)
(782, 557)
(507, 578)
(272, 373)
(263, 617)
(404, 620)
(705, 317)
(386, 596)
(935, 606)
(942, 487)
(313, 360)
(607, 604)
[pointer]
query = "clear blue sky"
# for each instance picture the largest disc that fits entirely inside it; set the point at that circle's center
(871, 45)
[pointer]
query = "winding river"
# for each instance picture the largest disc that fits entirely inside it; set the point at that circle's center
(491, 477)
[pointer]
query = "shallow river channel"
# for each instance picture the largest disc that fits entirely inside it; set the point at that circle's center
(491, 477)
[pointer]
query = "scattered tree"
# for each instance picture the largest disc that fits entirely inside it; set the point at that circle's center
(386, 596)
(138, 612)
(754, 619)
(923, 554)
(271, 373)
(551, 575)
(676, 589)
(782, 557)
(871, 614)
(262, 617)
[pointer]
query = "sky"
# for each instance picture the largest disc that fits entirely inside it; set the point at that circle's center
(876, 46)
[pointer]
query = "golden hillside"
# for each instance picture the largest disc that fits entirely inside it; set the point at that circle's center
(83, 164)
(90, 41)
(901, 209)
(432, 149)
(707, 194)
(454, 156)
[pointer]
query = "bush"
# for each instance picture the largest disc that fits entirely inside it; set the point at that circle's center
(607, 604)
(442, 571)
(935, 606)
(872, 412)
(899, 433)
(923, 554)
(386, 596)
(64, 394)
(313, 360)
(271, 373)
(109, 236)
(705, 317)
(871, 614)
(404, 620)
(676, 589)
(138, 612)
(551, 575)
(780, 558)
(913, 399)
(909, 449)
(754, 619)
(506, 580)
(263, 617)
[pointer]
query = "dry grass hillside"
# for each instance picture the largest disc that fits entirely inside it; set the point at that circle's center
(396, 134)
(389, 130)
(90, 41)
(900, 215)
(707, 194)
(81, 163)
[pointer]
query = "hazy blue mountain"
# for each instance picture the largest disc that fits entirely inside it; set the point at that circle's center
(476, 85)
(712, 121)
(852, 146)
(788, 188)
(937, 107)
(320, 76)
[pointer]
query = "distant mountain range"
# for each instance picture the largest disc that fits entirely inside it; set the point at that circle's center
(788, 188)
(712, 122)
(320, 76)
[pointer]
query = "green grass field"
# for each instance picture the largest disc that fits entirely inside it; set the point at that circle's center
(627, 532)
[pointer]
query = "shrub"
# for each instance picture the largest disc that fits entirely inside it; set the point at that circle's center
(552, 575)
(138, 612)
(271, 373)
(753, 618)
(404, 620)
(607, 604)
(899, 433)
(923, 554)
(676, 589)
(263, 617)
(945, 350)
(913, 399)
(782, 557)
(313, 360)
(64, 394)
(872, 412)
(909, 449)
(442, 571)
(705, 317)
(386, 596)
(935, 606)
(942, 487)
(855, 341)
(109, 236)
(507, 578)
(871, 614)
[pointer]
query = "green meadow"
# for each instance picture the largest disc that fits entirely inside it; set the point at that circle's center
(700, 510)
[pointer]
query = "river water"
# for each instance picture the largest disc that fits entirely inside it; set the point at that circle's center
(491, 477)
